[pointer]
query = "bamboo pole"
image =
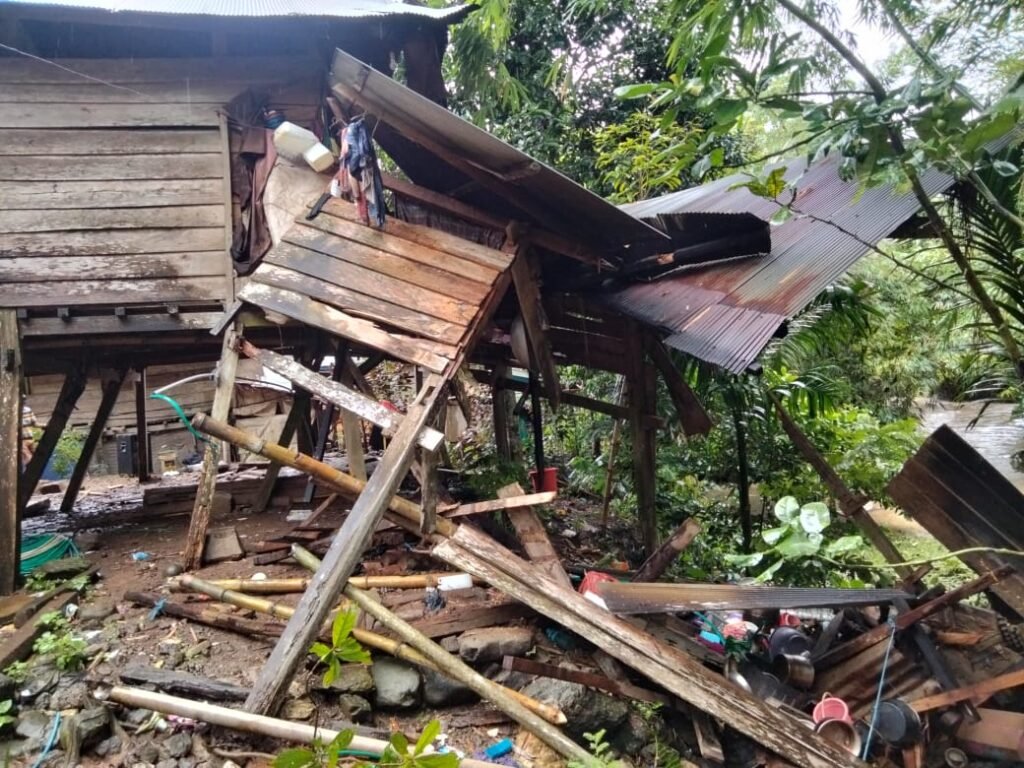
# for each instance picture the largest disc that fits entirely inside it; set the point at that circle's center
(370, 639)
(337, 480)
(454, 667)
(295, 586)
(249, 723)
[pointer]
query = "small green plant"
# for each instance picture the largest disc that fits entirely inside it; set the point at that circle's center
(800, 535)
(343, 647)
(396, 755)
(601, 751)
(17, 671)
(66, 648)
(39, 582)
(6, 718)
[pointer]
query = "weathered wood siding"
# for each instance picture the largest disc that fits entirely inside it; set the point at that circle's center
(113, 192)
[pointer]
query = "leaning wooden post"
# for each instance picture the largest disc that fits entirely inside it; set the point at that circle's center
(343, 556)
(458, 670)
(221, 409)
(10, 450)
(111, 387)
(666, 554)
(141, 427)
(300, 406)
(70, 391)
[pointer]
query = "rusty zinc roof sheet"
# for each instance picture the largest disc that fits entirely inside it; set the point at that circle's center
(345, 9)
(726, 314)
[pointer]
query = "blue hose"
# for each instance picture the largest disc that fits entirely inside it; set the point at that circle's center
(878, 694)
(49, 742)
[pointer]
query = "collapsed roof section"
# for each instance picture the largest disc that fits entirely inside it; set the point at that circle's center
(726, 314)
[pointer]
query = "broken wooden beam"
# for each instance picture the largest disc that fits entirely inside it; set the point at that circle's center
(534, 538)
(692, 416)
(675, 671)
(70, 391)
(975, 693)
(536, 325)
(183, 683)
(325, 474)
(204, 615)
(344, 553)
(655, 565)
(589, 679)
(337, 394)
(499, 505)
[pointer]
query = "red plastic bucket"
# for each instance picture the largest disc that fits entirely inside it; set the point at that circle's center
(831, 708)
(550, 480)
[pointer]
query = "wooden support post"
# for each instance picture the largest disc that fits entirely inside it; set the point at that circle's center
(326, 421)
(613, 449)
(300, 406)
(501, 412)
(537, 420)
(641, 400)
(666, 554)
(352, 426)
(10, 450)
(221, 410)
(70, 391)
(429, 489)
(141, 428)
(111, 387)
(343, 555)
(692, 416)
(536, 324)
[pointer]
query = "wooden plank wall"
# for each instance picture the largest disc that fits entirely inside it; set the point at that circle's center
(113, 192)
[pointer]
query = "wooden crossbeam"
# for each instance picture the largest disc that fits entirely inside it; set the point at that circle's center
(337, 393)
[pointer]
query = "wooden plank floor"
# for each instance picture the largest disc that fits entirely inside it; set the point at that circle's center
(410, 291)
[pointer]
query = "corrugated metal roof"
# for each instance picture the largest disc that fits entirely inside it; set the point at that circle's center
(542, 194)
(347, 9)
(726, 314)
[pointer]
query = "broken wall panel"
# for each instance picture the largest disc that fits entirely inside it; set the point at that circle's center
(966, 503)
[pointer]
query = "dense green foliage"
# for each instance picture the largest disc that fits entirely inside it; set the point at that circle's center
(643, 97)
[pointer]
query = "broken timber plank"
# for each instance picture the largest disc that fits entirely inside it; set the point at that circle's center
(327, 318)
(471, 618)
(975, 693)
(589, 679)
(679, 674)
(184, 684)
(334, 392)
(343, 555)
(18, 645)
(530, 531)
(498, 505)
(654, 566)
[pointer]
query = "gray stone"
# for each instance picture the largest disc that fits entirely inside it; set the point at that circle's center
(441, 691)
(298, 709)
(187, 762)
(107, 747)
(353, 678)
(86, 540)
(354, 708)
(175, 659)
(450, 643)
(167, 647)
(138, 716)
(7, 687)
(39, 679)
(96, 612)
(478, 646)
(635, 733)
(168, 763)
(148, 753)
(178, 745)
(90, 726)
(33, 724)
(588, 711)
(397, 684)
(75, 695)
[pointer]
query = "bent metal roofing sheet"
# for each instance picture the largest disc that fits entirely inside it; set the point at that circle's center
(726, 314)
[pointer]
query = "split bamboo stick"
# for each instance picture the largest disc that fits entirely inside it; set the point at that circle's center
(337, 480)
(457, 669)
(296, 586)
(244, 721)
(370, 639)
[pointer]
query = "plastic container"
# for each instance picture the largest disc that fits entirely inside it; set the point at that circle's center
(455, 581)
(548, 483)
(500, 749)
(318, 157)
(831, 708)
(293, 140)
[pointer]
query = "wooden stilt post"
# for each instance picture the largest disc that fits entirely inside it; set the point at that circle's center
(111, 387)
(141, 428)
(644, 451)
(221, 409)
(613, 449)
(291, 423)
(10, 450)
(70, 391)
(429, 489)
(537, 417)
(500, 410)
(343, 555)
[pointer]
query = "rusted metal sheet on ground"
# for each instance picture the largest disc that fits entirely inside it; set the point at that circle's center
(965, 502)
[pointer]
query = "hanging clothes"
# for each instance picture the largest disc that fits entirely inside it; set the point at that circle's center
(360, 173)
